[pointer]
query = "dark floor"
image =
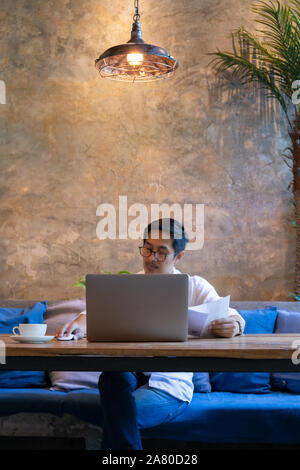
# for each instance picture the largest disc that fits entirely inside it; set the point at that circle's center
(151, 444)
(62, 443)
(41, 443)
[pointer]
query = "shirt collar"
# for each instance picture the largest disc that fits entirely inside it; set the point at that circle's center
(175, 271)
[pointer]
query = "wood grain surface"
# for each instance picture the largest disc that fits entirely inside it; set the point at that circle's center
(259, 346)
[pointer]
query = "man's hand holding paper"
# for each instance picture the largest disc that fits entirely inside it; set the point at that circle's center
(212, 319)
(225, 328)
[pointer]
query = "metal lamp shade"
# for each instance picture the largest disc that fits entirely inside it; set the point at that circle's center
(157, 63)
(149, 62)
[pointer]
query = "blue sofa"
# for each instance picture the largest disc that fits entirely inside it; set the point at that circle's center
(216, 417)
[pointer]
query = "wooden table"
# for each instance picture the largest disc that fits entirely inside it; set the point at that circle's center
(260, 352)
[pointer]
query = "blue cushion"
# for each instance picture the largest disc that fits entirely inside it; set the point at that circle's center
(257, 321)
(287, 322)
(85, 405)
(260, 320)
(201, 382)
(31, 400)
(10, 317)
(22, 378)
(224, 417)
(218, 417)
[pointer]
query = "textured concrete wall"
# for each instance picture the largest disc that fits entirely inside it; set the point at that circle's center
(71, 141)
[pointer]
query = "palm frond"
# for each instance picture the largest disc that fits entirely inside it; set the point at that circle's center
(248, 72)
(295, 11)
(281, 33)
(296, 297)
(273, 59)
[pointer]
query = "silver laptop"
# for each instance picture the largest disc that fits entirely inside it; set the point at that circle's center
(137, 307)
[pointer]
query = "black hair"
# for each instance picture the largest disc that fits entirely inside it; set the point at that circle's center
(172, 227)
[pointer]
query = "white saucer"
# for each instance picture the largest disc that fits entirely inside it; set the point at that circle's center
(32, 339)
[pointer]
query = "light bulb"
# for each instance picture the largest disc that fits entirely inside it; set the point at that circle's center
(135, 59)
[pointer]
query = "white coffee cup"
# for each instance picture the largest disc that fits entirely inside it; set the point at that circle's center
(30, 329)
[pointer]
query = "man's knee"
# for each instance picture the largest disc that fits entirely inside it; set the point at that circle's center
(114, 377)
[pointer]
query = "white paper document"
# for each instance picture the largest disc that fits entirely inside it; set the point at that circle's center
(200, 316)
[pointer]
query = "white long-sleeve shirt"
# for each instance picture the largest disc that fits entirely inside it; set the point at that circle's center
(180, 384)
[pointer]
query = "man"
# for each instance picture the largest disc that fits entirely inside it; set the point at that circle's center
(132, 401)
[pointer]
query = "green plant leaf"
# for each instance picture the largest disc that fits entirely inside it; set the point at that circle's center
(271, 59)
(81, 281)
(78, 284)
(296, 297)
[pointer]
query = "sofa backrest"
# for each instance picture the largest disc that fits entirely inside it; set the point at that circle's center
(60, 312)
(292, 306)
(243, 304)
(57, 314)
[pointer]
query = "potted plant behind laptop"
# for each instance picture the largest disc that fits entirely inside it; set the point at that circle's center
(81, 280)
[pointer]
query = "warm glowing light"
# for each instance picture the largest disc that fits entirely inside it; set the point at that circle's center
(135, 59)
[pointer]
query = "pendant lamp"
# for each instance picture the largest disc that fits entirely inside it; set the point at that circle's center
(136, 60)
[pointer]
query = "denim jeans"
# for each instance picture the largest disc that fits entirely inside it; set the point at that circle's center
(128, 405)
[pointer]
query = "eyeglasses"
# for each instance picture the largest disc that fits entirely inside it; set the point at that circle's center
(160, 255)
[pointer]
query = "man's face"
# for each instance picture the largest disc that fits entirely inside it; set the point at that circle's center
(162, 245)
